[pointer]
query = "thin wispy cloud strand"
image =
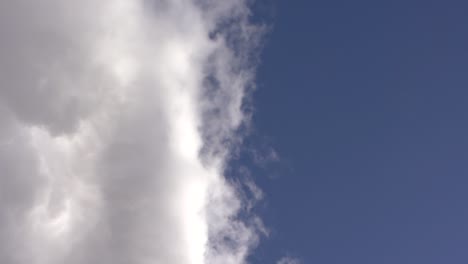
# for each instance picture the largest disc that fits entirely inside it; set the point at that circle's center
(288, 260)
(117, 119)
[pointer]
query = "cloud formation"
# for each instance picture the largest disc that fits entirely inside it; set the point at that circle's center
(116, 120)
(288, 260)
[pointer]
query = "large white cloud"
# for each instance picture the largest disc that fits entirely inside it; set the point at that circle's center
(116, 120)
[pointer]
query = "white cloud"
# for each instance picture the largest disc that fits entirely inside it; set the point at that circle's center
(116, 120)
(288, 260)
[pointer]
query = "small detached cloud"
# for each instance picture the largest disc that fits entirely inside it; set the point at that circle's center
(289, 260)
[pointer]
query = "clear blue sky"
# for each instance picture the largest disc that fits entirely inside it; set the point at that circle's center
(366, 103)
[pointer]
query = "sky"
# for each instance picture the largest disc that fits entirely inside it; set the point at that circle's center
(233, 132)
(365, 104)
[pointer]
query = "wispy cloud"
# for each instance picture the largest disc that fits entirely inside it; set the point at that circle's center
(288, 260)
(116, 121)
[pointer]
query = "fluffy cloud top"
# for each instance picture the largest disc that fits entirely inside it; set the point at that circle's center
(116, 121)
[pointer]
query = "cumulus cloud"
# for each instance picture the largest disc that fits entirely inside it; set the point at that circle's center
(117, 118)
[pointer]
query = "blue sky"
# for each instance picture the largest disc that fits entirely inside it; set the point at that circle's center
(365, 102)
(122, 132)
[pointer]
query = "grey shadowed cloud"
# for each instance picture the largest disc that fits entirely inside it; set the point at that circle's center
(112, 142)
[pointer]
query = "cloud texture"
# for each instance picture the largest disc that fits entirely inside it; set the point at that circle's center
(116, 120)
(288, 260)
